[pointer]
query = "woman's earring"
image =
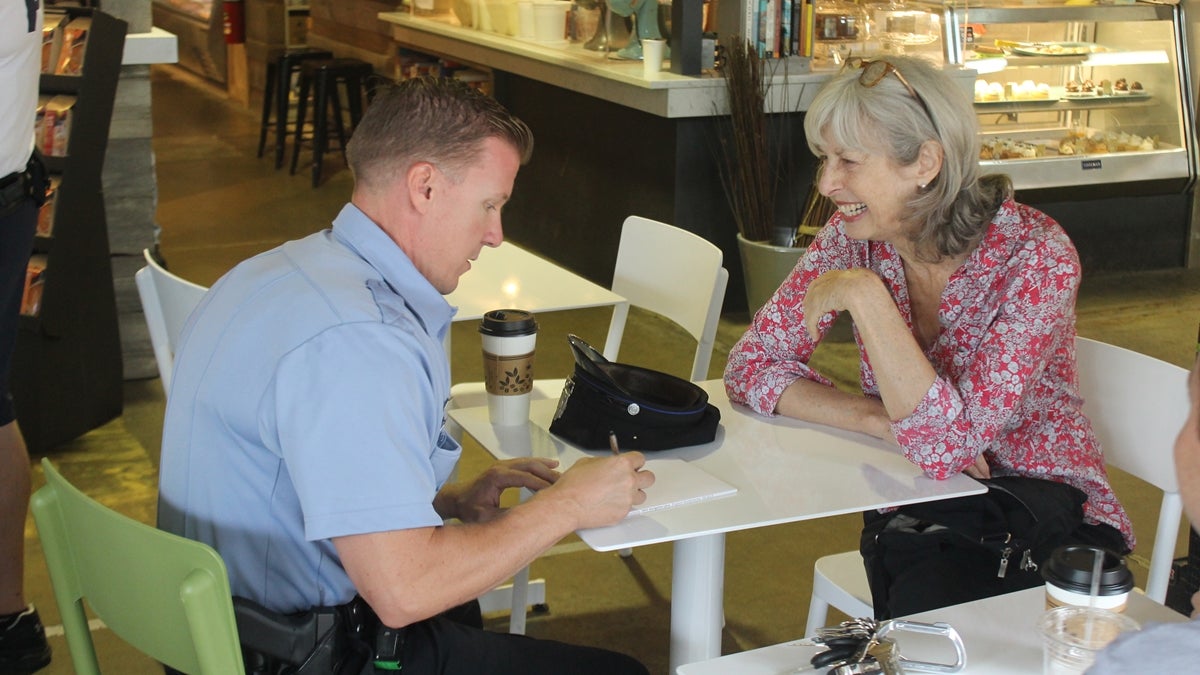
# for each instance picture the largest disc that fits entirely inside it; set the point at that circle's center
(922, 186)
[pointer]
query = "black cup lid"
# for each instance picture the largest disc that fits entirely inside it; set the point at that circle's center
(1070, 568)
(508, 323)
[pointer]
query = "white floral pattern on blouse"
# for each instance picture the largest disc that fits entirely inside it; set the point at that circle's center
(1005, 356)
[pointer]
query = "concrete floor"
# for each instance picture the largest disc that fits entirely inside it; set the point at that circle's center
(219, 204)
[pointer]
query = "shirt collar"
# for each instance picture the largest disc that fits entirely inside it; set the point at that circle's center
(355, 230)
(1004, 234)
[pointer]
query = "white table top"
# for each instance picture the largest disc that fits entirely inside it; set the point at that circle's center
(999, 634)
(510, 277)
(785, 470)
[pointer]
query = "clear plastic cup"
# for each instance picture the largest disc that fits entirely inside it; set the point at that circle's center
(1072, 636)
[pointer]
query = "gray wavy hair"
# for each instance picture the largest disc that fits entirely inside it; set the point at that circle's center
(951, 214)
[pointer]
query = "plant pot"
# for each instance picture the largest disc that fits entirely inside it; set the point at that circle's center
(764, 267)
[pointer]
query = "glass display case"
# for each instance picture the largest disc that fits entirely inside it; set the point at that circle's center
(1074, 95)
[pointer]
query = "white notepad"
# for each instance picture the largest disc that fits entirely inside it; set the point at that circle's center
(677, 482)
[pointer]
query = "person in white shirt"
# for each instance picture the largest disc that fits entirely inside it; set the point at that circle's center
(23, 647)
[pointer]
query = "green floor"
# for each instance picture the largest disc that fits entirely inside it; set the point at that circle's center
(219, 204)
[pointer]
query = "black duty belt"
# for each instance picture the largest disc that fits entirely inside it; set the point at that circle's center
(14, 189)
(18, 186)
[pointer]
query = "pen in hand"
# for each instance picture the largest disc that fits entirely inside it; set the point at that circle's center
(612, 442)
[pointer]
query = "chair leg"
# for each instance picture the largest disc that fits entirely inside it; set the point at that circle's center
(268, 101)
(818, 611)
(301, 108)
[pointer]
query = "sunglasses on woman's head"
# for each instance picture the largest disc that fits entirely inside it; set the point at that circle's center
(873, 72)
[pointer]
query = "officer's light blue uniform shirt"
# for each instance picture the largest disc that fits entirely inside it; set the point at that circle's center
(307, 403)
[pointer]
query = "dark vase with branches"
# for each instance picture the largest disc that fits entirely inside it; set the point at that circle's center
(766, 173)
(760, 170)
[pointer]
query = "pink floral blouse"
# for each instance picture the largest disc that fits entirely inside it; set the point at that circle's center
(1005, 357)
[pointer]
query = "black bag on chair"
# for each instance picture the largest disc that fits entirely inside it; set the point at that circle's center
(939, 553)
(646, 409)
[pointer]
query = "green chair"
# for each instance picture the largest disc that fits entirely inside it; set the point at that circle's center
(165, 595)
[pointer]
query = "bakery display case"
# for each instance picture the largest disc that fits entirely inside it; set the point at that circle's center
(1077, 95)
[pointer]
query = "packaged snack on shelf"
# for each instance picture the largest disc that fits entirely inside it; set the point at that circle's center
(39, 124)
(35, 281)
(56, 125)
(45, 223)
(52, 40)
(74, 46)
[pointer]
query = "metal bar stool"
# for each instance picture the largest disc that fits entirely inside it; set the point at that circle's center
(281, 65)
(322, 77)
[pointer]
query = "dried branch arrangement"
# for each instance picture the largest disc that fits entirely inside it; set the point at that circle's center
(746, 171)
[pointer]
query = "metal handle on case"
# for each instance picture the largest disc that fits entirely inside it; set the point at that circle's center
(943, 629)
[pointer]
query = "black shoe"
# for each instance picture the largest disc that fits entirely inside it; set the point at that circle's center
(23, 647)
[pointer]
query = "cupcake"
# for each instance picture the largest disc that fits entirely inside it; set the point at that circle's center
(1120, 87)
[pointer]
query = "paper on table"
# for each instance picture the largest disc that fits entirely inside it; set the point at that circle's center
(677, 482)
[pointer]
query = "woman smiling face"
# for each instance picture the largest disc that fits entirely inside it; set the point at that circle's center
(871, 190)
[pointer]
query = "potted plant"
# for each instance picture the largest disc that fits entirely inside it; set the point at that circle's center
(758, 176)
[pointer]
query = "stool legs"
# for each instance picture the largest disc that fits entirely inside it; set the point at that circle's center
(283, 86)
(320, 134)
(268, 96)
(301, 109)
(321, 80)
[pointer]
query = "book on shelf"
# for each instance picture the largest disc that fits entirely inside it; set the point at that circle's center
(35, 281)
(74, 46)
(53, 124)
(52, 40)
(45, 221)
(779, 28)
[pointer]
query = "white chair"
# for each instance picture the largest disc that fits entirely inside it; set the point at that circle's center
(167, 300)
(660, 268)
(1136, 404)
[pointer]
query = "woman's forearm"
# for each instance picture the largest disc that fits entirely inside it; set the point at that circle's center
(815, 402)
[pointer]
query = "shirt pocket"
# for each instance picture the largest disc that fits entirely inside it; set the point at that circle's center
(445, 456)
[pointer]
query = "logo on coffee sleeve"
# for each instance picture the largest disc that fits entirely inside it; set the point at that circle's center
(508, 375)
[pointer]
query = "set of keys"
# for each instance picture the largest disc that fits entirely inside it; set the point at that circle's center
(861, 646)
(855, 647)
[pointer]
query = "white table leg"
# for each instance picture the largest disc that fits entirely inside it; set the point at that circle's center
(697, 594)
(520, 593)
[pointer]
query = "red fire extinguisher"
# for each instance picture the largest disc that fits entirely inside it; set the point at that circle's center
(234, 19)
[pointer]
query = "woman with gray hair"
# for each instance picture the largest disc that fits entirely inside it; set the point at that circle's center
(963, 303)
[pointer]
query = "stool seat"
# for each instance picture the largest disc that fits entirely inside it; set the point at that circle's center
(322, 77)
(281, 65)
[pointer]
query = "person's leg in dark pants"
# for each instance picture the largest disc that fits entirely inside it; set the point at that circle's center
(446, 646)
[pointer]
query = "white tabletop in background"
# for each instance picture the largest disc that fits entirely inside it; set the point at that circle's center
(785, 471)
(510, 277)
(999, 633)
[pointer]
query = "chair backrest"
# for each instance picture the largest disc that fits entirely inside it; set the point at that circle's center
(673, 273)
(165, 595)
(167, 300)
(1137, 404)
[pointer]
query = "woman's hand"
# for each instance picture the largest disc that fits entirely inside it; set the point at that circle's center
(835, 291)
(479, 500)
